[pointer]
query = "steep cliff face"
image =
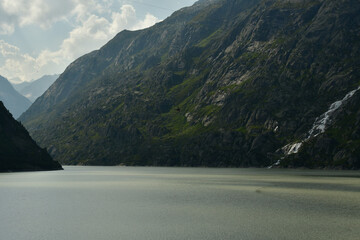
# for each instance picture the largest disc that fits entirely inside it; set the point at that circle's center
(221, 83)
(18, 152)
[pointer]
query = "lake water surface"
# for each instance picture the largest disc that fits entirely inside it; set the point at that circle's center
(113, 203)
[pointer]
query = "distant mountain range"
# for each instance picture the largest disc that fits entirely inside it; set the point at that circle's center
(221, 83)
(18, 152)
(14, 101)
(33, 90)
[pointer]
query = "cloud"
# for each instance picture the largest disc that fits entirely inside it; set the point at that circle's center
(45, 12)
(6, 29)
(8, 49)
(126, 18)
(94, 32)
(148, 21)
(7, 25)
(89, 36)
(14, 63)
(91, 31)
(123, 19)
(40, 12)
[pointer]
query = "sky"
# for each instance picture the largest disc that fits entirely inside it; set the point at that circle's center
(42, 37)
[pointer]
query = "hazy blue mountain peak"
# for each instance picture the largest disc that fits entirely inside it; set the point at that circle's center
(14, 101)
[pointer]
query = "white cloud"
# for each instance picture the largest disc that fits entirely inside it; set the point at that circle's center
(95, 31)
(6, 29)
(16, 64)
(126, 19)
(90, 33)
(45, 12)
(148, 21)
(40, 12)
(123, 19)
(8, 49)
(84, 8)
(89, 36)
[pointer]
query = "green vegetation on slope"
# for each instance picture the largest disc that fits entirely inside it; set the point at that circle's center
(222, 83)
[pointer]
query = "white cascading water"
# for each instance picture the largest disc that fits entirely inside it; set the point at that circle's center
(292, 148)
(325, 119)
(319, 126)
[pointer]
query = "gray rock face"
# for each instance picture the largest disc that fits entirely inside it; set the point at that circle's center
(221, 83)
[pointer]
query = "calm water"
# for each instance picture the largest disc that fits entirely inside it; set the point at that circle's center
(109, 203)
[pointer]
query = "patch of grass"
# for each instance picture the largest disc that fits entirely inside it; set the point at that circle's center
(180, 73)
(209, 110)
(177, 124)
(117, 109)
(211, 93)
(242, 130)
(194, 130)
(210, 38)
(229, 88)
(277, 42)
(164, 57)
(252, 57)
(186, 88)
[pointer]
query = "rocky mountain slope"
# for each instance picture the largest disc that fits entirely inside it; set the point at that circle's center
(18, 152)
(33, 90)
(14, 101)
(221, 83)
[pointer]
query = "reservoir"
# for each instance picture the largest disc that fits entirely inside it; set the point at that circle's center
(151, 203)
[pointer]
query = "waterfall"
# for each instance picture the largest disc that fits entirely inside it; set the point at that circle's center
(322, 122)
(292, 148)
(319, 126)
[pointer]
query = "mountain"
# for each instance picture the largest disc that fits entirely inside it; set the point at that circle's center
(19, 86)
(220, 83)
(33, 90)
(14, 101)
(18, 152)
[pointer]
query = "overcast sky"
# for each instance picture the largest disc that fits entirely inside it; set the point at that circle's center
(40, 37)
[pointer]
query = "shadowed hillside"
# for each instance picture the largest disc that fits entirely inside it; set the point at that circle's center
(18, 152)
(221, 83)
